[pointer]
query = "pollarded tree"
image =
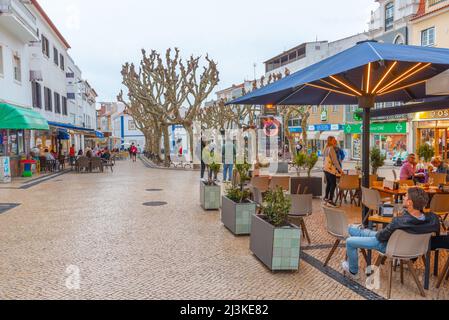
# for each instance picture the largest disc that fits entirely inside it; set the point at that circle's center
(164, 87)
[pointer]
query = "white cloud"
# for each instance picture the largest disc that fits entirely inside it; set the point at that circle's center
(106, 33)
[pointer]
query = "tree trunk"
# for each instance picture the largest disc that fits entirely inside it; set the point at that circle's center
(189, 130)
(166, 136)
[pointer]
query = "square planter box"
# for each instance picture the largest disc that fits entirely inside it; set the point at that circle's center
(278, 248)
(210, 196)
(314, 185)
(237, 216)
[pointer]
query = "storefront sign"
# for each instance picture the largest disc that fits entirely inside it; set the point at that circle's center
(379, 128)
(319, 128)
(436, 114)
(5, 170)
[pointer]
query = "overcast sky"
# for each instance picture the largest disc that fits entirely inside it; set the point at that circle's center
(236, 33)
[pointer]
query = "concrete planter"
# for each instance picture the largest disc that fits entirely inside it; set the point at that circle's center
(278, 248)
(237, 216)
(210, 196)
(279, 168)
(313, 184)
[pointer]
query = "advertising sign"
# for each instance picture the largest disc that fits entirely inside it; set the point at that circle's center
(272, 132)
(5, 170)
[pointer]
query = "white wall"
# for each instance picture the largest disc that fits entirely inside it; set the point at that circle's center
(12, 91)
(53, 77)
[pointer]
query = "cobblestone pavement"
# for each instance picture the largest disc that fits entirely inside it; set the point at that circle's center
(97, 224)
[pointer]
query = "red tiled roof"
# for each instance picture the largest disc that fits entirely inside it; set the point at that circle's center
(422, 10)
(50, 23)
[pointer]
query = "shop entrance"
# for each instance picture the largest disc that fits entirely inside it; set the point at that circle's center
(436, 136)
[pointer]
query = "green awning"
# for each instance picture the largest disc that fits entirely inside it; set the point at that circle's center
(12, 117)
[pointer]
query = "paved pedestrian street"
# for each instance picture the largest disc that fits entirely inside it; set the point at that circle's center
(89, 236)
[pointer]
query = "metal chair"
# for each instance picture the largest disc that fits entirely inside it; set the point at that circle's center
(372, 200)
(405, 247)
(337, 227)
(349, 185)
(300, 209)
(82, 163)
(440, 206)
(96, 163)
(277, 181)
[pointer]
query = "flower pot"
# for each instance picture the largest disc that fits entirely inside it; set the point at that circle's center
(210, 196)
(314, 185)
(278, 248)
(237, 216)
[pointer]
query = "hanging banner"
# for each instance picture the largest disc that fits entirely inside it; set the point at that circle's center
(5, 170)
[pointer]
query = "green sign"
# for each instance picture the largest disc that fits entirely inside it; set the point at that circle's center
(356, 115)
(378, 128)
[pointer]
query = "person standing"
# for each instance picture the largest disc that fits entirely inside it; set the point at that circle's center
(72, 154)
(203, 164)
(332, 170)
(133, 152)
(228, 161)
(299, 148)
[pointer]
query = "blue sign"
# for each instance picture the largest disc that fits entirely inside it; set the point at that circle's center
(319, 127)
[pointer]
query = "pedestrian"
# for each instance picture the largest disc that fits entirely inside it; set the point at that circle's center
(72, 154)
(228, 161)
(133, 152)
(332, 170)
(299, 148)
(203, 164)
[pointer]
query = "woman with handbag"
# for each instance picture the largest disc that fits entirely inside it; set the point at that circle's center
(332, 170)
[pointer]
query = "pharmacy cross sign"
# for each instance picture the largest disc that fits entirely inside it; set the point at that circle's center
(378, 128)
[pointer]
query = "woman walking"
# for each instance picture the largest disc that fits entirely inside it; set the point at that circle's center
(332, 170)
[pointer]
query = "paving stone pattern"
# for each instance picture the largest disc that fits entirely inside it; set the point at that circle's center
(94, 226)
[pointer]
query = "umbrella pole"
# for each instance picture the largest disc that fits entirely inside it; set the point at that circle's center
(366, 103)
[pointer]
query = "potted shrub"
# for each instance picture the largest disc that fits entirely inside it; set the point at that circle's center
(426, 152)
(377, 160)
(314, 185)
(237, 208)
(273, 240)
(210, 191)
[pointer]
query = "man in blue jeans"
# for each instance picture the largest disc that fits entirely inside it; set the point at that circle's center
(228, 160)
(413, 221)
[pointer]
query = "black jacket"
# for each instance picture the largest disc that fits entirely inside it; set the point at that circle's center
(410, 224)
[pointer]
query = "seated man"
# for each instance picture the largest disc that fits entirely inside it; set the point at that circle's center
(413, 221)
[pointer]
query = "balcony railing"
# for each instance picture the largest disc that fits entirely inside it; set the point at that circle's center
(21, 12)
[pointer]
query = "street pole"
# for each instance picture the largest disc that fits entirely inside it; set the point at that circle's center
(366, 103)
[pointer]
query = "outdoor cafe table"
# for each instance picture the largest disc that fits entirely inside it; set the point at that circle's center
(399, 194)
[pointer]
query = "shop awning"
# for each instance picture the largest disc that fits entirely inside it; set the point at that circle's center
(99, 134)
(339, 135)
(18, 118)
(63, 134)
(68, 126)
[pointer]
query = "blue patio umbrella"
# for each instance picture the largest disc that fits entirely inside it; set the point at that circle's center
(365, 74)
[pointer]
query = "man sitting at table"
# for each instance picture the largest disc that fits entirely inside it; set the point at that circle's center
(408, 169)
(413, 221)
